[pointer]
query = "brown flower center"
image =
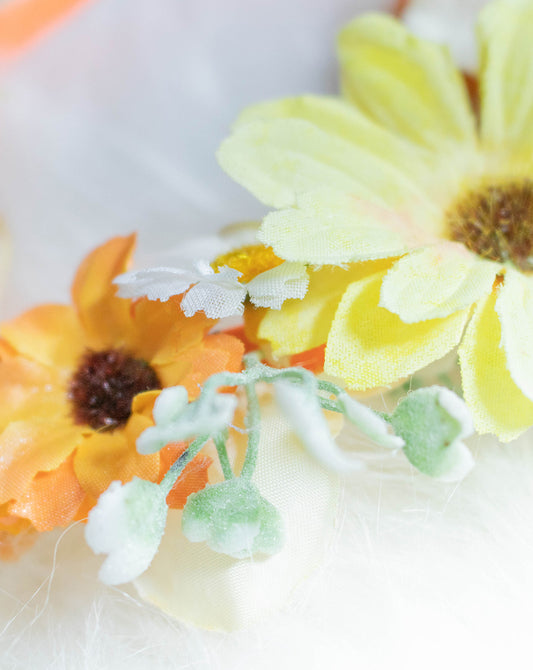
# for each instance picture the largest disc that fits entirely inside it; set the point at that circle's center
(104, 385)
(496, 222)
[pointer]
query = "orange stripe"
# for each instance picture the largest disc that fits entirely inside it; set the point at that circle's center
(23, 20)
(400, 7)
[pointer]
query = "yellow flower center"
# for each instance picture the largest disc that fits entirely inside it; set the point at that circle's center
(104, 385)
(496, 222)
(251, 260)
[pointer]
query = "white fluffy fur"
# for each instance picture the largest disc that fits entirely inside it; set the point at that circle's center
(423, 574)
(110, 125)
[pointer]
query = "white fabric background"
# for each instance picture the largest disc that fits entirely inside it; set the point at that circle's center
(110, 125)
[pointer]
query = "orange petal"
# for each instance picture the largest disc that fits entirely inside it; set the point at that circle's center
(21, 22)
(52, 499)
(193, 366)
(49, 334)
(109, 456)
(143, 404)
(83, 510)
(10, 523)
(161, 330)
(27, 390)
(31, 446)
(312, 359)
(193, 478)
(240, 333)
(105, 318)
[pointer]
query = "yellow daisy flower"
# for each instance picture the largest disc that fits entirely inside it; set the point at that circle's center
(417, 214)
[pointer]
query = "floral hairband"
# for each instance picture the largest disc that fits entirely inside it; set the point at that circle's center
(400, 232)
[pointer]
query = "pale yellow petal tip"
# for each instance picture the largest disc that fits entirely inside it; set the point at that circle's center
(497, 404)
(435, 282)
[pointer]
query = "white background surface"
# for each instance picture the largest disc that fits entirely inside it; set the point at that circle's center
(110, 125)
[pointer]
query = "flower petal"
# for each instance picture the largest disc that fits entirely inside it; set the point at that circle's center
(497, 404)
(505, 32)
(281, 159)
(193, 478)
(435, 282)
(218, 296)
(341, 119)
(28, 390)
(105, 457)
(32, 446)
(514, 306)
(273, 287)
(368, 346)
(330, 228)
(49, 334)
(155, 283)
(304, 324)
(105, 317)
(407, 84)
(161, 331)
(216, 353)
(52, 499)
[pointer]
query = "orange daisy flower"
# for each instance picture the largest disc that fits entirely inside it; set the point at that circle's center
(77, 387)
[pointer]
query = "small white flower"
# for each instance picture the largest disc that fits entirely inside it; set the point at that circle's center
(218, 294)
(127, 524)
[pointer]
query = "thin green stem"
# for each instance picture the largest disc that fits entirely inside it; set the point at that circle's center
(330, 405)
(329, 387)
(254, 370)
(253, 422)
(220, 444)
(178, 466)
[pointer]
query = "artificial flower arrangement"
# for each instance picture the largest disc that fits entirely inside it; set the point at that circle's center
(400, 231)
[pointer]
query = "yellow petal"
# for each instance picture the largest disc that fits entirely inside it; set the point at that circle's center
(280, 159)
(407, 84)
(340, 119)
(435, 282)
(368, 346)
(497, 404)
(514, 306)
(49, 334)
(329, 228)
(28, 390)
(505, 32)
(105, 318)
(106, 457)
(32, 446)
(304, 324)
(161, 330)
